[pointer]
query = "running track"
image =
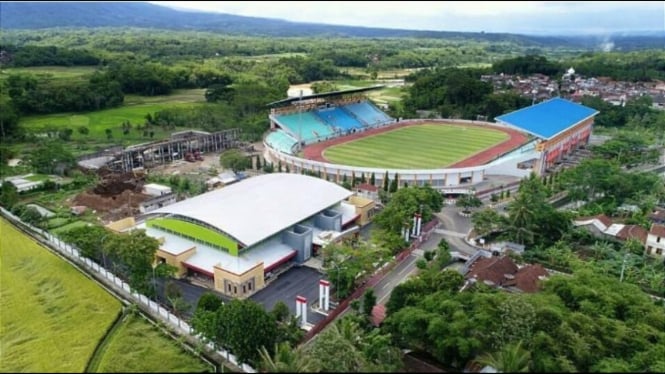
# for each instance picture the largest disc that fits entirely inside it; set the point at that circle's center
(315, 151)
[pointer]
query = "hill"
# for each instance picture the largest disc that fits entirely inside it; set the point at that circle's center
(31, 15)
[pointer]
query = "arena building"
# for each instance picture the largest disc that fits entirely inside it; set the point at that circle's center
(239, 237)
(561, 127)
(305, 128)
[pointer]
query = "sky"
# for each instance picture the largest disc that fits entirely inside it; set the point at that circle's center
(528, 17)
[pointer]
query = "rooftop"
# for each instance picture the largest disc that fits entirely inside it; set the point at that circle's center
(206, 258)
(258, 207)
(658, 230)
(548, 118)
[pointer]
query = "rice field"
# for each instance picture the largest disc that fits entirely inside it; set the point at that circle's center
(136, 346)
(53, 316)
(426, 146)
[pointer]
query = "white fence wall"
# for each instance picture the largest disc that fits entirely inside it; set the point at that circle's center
(109, 279)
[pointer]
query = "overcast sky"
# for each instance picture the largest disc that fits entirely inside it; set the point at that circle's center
(533, 17)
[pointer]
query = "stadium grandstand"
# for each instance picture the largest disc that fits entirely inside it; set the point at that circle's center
(237, 238)
(309, 119)
(561, 127)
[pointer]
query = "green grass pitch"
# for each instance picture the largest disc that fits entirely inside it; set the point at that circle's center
(427, 146)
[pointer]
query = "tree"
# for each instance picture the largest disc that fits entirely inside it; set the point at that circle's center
(510, 359)
(369, 301)
(487, 221)
(372, 179)
(285, 360)
(136, 252)
(386, 182)
(109, 134)
(334, 353)
(468, 201)
(209, 302)
(173, 294)
(234, 159)
(51, 157)
(244, 327)
(344, 264)
(8, 195)
(90, 240)
(83, 130)
(404, 203)
(394, 184)
(280, 311)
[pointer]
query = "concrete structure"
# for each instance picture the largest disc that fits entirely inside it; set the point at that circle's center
(154, 189)
(655, 243)
(561, 125)
(157, 202)
(235, 238)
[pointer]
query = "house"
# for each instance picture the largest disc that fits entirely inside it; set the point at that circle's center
(655, 242)
(657, 216)
(223, 179)
(157, 202)
(502, 272)
(369, 191)
(603, 227)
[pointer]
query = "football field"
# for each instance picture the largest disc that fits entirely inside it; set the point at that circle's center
(427, 146)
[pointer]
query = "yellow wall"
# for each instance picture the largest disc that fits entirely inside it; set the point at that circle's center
(176, 261)
(122, 224)
(364, 207)
(237, 281)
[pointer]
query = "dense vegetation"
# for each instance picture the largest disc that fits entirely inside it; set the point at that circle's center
(552, 330)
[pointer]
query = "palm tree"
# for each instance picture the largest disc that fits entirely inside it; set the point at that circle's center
(512, 358)
(285, 360)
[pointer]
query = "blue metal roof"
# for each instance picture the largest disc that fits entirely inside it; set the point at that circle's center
(548, 118)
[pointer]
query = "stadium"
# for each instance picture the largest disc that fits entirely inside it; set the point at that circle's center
(340, 135)
(238, 238)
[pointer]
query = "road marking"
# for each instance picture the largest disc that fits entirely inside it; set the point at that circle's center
(386, 285)
(403, 270)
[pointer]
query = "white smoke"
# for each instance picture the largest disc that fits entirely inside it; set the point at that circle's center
(606, 45)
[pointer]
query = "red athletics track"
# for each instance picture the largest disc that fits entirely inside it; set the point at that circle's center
(315, 151)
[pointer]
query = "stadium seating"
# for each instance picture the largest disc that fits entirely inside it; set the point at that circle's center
(368, 113)
(281, 141)
(305, 125)
(338, 118)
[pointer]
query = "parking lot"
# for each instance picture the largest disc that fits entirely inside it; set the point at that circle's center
(299, 280)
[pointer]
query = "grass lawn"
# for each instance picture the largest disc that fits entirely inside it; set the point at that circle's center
(54, 72)
(134, 109)
(137, 346)
(53, 317)
(425, 146)
(57, 222)
(68, 226)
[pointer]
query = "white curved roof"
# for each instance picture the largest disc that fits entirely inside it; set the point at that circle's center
(259, 207)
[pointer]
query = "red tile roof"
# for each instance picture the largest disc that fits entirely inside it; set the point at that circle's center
(607, 221)
(658, 230)
(492, 269)
(367, 187)
(633, 231)
(527, 278)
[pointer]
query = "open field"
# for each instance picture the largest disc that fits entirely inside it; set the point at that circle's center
(54, 72)
(53, 317)
(425, 146)
(136, 346)
(134, 110)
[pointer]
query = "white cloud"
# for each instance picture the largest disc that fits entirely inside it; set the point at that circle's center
(539, 17)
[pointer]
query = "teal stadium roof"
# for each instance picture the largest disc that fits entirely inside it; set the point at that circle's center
(548, 118)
